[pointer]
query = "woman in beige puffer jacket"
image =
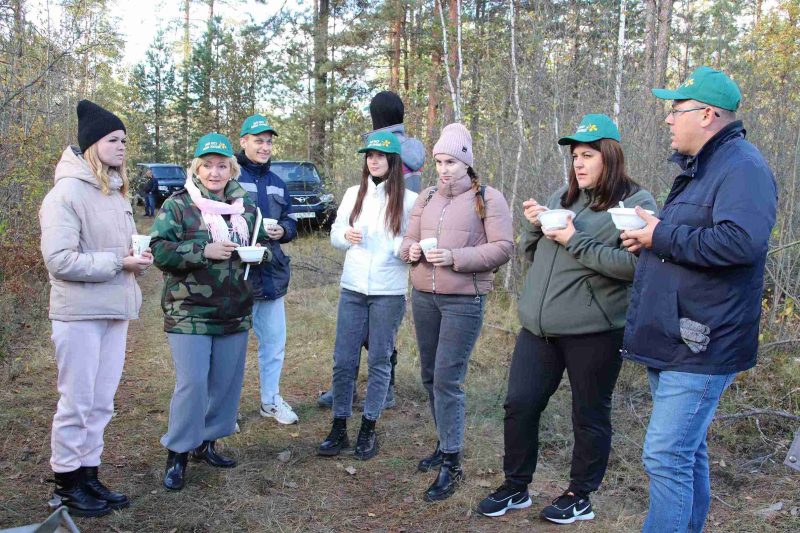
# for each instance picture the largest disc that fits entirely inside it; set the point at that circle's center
(87, 223)
(472, 226)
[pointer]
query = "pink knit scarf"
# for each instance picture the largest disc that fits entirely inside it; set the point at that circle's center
(212, 212)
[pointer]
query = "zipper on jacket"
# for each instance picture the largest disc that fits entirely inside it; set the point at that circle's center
(550, 275)
(600, 307)
(438, 232)
(475, 282)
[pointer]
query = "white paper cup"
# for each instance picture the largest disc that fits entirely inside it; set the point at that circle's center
(428, 244)
(553, 219)
(270, 223)
(625, 218)
(139, 244)
(364, 229)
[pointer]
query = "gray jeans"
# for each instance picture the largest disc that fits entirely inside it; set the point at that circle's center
(209, 370)
(359, 317)
(447, 325)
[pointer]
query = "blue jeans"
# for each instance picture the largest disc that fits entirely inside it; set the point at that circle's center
(269, 324)
(448, 326)
(360, 317)
(149, 204)
(675, 451)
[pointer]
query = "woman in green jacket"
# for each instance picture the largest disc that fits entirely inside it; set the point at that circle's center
(572, 311)
(207, 304)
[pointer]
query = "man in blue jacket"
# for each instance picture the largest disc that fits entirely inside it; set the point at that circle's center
(696, 298)
(270, 280)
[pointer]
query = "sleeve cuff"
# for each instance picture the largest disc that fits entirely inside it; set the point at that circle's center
(661, 239)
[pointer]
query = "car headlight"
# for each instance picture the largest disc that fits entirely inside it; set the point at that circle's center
(163, 188)
(326, 198)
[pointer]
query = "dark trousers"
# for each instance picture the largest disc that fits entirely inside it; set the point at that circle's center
(593, 363)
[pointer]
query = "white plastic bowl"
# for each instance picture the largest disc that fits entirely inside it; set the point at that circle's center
(625, 218)
(427, 244)
(251, 254)
(555, 218)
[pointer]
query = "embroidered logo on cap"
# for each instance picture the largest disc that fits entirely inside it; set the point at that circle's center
(464, 149)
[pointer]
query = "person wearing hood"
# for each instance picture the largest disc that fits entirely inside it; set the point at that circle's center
(270, 281)
(469, 226)
(572, 310)
(207, 304)
(370, 223)
(388, 112)
(87, 223)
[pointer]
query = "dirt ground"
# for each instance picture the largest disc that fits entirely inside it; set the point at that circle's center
(272, 493)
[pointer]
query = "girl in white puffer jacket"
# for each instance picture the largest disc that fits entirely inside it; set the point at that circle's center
(370, 224)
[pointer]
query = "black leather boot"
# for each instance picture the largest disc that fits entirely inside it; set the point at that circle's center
(367, 442)
(434, 460)
(337, 440)
(92, 485)
(175, 473)
(71, 493)
(450, 475)
(207, 453)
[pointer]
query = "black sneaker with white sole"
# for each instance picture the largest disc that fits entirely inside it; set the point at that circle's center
(507, 496)
(568, 508)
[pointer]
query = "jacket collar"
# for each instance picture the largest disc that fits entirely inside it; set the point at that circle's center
(691, 164)
(231, 192)
(256, 168)
(455, 187)
(397, 129)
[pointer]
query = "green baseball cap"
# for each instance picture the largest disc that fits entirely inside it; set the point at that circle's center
(592, 128)
(382, 141)
(255, 124)
(213, 143)
(706, 85)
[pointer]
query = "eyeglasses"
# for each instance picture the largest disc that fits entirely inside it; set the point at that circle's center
(674, 111)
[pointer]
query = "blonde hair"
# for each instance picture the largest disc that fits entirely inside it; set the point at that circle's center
(101, 170)
(235, 168)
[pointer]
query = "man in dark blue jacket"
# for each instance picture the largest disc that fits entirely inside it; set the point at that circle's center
(269, 280)
(696, 298)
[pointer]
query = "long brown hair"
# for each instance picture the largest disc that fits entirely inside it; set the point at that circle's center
(395, 192)
(614, 183)
(480, 206)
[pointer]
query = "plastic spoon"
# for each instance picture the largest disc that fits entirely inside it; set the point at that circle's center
(622, 204)
(253, 240)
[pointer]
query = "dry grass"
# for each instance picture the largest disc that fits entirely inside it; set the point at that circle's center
(308, 493)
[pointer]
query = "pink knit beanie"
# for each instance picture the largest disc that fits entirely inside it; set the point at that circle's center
(455, 141)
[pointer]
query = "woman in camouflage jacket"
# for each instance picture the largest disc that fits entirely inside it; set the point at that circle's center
(207, 304)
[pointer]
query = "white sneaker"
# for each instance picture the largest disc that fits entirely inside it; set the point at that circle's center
(280, 411)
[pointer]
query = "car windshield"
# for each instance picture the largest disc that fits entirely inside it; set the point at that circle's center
(173, 173)
(291, 172)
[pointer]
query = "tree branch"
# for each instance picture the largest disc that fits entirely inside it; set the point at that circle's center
(757, 412)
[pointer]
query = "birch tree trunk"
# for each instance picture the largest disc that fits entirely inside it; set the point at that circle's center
(456, 112)
(317, 144)
(512, 202)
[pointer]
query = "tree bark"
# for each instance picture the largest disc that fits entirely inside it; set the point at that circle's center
(319, 113)
(433, 88)
(662, 45)
(650, 32)
(480, 13)
(520, 129)
(620, 62)
(187, 50)
(398, 15)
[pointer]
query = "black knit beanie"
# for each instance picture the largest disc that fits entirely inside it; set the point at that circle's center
(386, 109)
(94, 123)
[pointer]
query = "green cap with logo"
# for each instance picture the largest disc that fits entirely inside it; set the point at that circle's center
(592, 128)
(255, 124)
(382, 141)
(213, 143)
(706, 85)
